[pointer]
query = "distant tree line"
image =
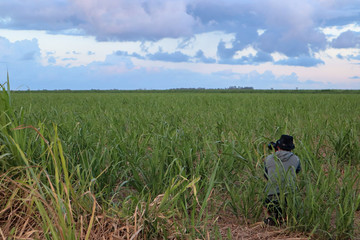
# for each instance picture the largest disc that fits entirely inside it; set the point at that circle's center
(244, 88)
(231, 89)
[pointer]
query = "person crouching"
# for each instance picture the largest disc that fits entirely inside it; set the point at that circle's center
(281, 168)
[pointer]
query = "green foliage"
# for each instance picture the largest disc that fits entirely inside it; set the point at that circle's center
(346, 146)
(5, 104)
(170, 161)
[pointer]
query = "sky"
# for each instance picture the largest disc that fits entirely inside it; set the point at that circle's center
(165, 44)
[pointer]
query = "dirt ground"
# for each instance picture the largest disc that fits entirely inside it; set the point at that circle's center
(256, 231)
(259, 230)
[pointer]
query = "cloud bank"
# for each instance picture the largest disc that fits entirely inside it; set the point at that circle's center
(117, 71)
(156, 19)
(253, 33)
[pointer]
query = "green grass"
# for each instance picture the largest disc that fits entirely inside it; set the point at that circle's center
(166, 164)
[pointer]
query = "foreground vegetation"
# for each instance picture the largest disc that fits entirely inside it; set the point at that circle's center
(168, 165)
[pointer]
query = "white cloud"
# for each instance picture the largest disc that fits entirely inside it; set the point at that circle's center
(333, 32)
(278, 56)
(249, 51)
(5, 20)
(67, 46)
(261, 31)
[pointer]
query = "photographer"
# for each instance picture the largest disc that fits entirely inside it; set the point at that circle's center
(281, 168)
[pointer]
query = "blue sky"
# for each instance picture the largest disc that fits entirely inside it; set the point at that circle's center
(161, 44)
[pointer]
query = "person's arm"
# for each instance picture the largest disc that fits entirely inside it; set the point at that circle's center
(298, 168)
(266, 173)
(266, 168)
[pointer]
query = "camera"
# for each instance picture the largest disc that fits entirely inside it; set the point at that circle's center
(272, 146)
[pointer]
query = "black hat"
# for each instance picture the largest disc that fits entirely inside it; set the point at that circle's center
(285, 143)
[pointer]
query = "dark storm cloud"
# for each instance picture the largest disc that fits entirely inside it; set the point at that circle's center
(110, 20)
(268, 26)
(38, 15)
(156, 19)
(287, 30)
(106, 20)
(339, 13)
(291, 43)
(228, 16)
(348, 39)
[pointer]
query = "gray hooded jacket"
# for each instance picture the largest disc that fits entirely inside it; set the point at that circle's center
(280, 170)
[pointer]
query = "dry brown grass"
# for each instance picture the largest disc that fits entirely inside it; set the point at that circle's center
(19, 220)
